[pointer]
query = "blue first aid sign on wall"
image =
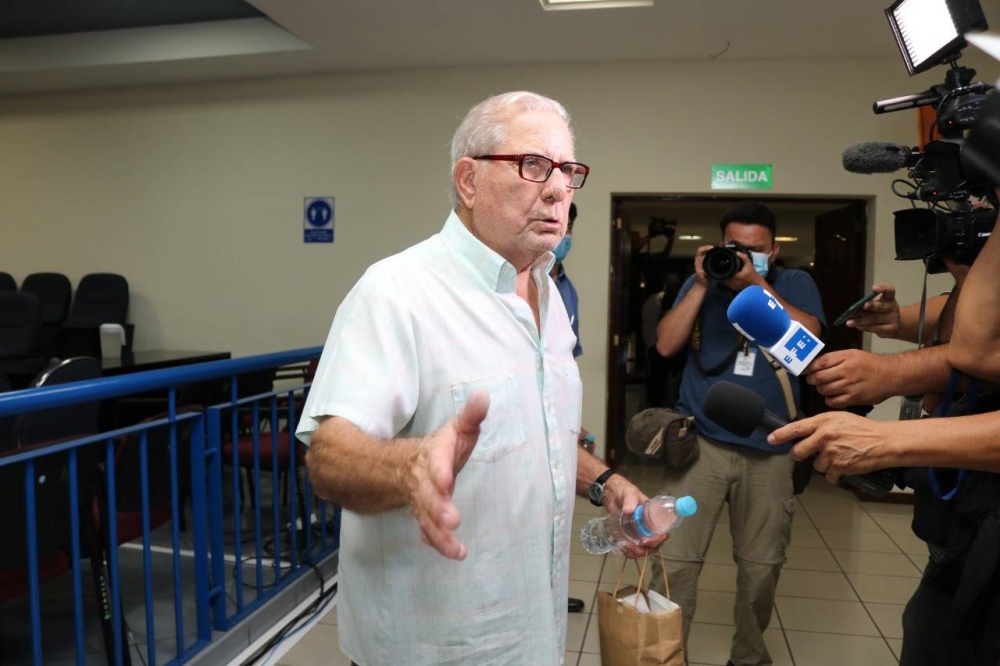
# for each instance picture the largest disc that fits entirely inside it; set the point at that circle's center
(317, 220)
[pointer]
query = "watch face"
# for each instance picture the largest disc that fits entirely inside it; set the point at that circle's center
(596, 493)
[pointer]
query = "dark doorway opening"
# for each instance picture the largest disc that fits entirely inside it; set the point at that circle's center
(824, 236)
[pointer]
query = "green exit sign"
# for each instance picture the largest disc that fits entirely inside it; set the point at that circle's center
(741, 176)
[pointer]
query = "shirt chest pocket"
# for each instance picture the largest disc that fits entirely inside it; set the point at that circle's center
(571, 396)
(502, 430)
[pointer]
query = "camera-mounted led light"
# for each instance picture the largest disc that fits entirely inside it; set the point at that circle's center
(929, 32)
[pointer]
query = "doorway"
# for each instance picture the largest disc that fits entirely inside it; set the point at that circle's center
(826, 237)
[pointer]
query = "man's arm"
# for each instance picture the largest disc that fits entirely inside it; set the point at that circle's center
(366, 475)
(851, 444)
(975, 341)
(619, 495)
(358, 472)
(855, 377)
(674, 329)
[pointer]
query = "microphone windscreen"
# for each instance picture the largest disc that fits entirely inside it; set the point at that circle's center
(759, 315)
(875, 157)
(734, 407)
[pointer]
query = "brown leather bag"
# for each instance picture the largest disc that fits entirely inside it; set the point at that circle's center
(663, 435)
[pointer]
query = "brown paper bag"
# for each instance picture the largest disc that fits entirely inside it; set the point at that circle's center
(631, 638)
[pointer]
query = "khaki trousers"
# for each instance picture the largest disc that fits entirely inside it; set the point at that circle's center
(758, 488)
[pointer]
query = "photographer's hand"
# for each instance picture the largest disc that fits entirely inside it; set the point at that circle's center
(746, 276)
(846, 443)
(699, 265)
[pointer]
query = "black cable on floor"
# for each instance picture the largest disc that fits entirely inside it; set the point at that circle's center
(289, 629)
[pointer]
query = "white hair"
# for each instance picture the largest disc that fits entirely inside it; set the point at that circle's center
(485, 125)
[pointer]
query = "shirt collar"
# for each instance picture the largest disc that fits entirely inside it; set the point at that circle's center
(494, 270)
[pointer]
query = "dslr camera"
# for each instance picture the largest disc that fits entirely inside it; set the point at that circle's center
(951, 174)
(722, 263)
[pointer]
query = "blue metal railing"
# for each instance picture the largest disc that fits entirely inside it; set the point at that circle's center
(218, 597)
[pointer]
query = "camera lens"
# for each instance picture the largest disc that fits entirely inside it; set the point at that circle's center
(721, 263)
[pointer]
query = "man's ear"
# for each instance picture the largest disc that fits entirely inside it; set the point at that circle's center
(775, 249)
(466, 170)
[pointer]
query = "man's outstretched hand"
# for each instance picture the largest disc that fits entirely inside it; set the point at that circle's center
(431, 479)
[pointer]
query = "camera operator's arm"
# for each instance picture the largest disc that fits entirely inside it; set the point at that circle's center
(747, 276)
(975, 347)
(855, 377)
(674, 329)
(851, 444)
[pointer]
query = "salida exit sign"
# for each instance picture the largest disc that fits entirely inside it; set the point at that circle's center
(741, 176)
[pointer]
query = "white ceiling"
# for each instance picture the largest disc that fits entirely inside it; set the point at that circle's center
(307, 36)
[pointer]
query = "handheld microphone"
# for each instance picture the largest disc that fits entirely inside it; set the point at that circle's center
(758, 315)
(741, 411)
(879, 157)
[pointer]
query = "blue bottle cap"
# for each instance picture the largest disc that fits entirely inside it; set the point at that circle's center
(686, 506)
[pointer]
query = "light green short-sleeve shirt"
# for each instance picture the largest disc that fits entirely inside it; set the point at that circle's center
(414, 337)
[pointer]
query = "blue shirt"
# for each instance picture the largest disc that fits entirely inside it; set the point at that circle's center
(572, 303)
(719, 338)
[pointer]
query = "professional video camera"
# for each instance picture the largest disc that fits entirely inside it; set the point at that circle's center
(949, 175)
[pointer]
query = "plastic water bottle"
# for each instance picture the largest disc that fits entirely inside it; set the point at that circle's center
(657, 515)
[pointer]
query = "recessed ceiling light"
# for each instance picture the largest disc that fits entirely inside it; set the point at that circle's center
(556, 5)
(688, 237)
(786, 239)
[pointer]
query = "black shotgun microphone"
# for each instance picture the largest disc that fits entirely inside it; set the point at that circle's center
(741, 411)
(879, 157)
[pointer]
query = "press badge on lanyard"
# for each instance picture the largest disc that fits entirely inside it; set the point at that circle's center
(744, 363)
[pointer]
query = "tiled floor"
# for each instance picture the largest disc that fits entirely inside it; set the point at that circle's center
(851, 567)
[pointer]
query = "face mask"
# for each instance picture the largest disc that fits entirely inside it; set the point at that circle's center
(562, 249)
(760, 262)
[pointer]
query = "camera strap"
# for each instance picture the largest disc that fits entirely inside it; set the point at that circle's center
(741, 341)
(910, 405)
(945, 406)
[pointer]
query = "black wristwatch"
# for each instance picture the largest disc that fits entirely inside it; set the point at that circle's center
(596, 492)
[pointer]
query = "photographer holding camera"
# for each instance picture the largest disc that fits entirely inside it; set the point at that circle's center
(755, 479)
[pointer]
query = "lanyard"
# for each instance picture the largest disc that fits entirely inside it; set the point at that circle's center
(945, 405)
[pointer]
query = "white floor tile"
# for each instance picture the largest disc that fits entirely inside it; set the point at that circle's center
(330, 617)
(883, 589)
(709, 643)
(896, 645)
(586, 590)
(910, 544)
(872, 542)
(810, 559)
(816, 649)
(888, 618)
(884, 564)
(826, 616)
(718, 578)
(590, 660)
(717, 608)
(585, 567)
(855, 519)
(815, 585)
(576, 630)
(720, 552)
(592, 643)
(893, 525)
(806, 537)
(317, 647)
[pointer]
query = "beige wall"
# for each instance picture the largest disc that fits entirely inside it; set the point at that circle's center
(195, 192)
